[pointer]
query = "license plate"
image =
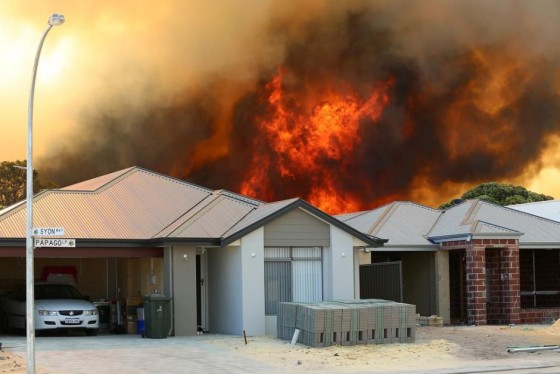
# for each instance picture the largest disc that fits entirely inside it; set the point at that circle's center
(72, 321)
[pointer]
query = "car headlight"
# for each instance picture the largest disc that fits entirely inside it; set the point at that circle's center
(90, 312)
(46, 313)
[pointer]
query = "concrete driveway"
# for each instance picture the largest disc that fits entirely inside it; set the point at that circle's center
(76, 354)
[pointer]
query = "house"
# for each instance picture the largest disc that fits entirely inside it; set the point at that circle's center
(224, 259)
(475, 263)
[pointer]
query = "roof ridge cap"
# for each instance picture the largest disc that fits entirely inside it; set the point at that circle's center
(471, 212)
(189, 219)
(391, 207)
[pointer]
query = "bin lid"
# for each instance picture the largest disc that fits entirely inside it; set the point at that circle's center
(157, 296)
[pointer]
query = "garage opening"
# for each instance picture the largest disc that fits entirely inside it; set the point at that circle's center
(107, 281)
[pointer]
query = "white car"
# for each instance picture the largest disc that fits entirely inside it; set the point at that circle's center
(57, 306)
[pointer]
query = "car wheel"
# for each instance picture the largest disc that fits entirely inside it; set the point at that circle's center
(92, 332)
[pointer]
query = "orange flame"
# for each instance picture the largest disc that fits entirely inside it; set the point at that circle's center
(303, 143)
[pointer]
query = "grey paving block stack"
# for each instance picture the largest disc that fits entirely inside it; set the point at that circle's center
(286, 320)
(347, 322)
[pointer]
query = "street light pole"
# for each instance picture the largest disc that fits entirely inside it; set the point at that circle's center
(54, 20)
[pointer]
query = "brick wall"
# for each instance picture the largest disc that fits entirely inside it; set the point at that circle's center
(476, 284)
(543, 315)
(494, 289)
(492, 279)
(503, 297)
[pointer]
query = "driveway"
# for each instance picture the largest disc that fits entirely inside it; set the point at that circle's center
(75, 354)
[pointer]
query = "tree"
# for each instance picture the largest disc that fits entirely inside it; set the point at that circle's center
(13, 182)
(500, 194)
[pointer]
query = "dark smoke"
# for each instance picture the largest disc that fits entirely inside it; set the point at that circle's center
(464, 111)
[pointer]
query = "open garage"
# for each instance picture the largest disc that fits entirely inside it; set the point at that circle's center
(107, 276)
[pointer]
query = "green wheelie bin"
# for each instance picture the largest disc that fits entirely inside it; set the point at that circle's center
(157, 316)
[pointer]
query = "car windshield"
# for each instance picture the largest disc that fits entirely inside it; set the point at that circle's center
(56, 291)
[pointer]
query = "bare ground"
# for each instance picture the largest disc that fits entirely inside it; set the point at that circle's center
(434, 348)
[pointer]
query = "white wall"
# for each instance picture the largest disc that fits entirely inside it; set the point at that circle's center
(339, 267)
(252, 268)
(225, 290)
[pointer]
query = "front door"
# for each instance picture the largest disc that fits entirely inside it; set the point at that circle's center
(201, 294)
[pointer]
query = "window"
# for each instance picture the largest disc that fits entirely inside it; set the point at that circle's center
(540, 279)
(292, 274)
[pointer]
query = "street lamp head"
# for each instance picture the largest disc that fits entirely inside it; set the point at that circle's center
(56, 19)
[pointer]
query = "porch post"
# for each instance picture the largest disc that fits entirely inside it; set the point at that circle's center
(511, 303)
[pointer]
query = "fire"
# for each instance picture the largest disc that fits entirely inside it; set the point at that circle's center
(302, 143)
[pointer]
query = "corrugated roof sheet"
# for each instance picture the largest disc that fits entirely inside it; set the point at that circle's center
(214, 219)
(364, 221)
(403, 223)
(98, 182)
(137, 204)
(549, 209)
(258, 214)
(452, 221)
(481, 227)
(463, 219)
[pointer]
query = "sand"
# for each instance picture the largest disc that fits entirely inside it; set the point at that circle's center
(14, 364)
(434, 348)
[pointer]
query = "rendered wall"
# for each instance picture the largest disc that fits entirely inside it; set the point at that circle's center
(225, 290)
(252, 268)
(297, 228)
(184, 290)
(339, 267)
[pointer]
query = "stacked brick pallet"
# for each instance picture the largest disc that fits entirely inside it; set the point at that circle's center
(350, 322)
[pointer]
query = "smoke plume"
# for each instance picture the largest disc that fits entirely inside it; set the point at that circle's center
(346, 105)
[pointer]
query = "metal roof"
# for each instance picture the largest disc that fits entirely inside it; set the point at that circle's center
(257, 215)
(549, 209)
(407, 225)
(137, 206)
(476, 216)
(403, 223)
(98, 182)
(214, 219)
